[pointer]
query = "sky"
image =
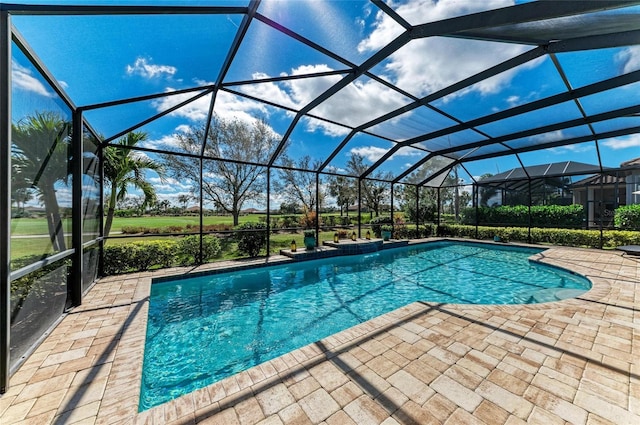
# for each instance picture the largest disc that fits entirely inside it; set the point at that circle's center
(98, 59)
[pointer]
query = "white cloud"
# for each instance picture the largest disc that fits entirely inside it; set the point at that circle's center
(408, 151)
(355, 104)
(228, 106)
(167, 141)
(632, 141)
(183, 128)
(359, 102)
(426, 65)
(371, 153)
(22, 79)
(578, 148)
(194, 111)
(552, 136)
(270, 91)
(513, 100)
(334, 169)
(629, 58)
(374, 153)
(145, 69)
(170, 185)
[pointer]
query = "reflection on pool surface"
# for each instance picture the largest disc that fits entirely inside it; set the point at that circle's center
(206, 328)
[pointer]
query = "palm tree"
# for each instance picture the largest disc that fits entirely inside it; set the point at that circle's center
(40, 154)
(184, 200)
(124, 169)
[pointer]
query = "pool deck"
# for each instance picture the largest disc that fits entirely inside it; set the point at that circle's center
(575, 361)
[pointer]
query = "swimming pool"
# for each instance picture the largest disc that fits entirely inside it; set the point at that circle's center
(203, 329)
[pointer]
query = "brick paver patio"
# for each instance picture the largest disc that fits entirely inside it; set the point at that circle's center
(576, 361)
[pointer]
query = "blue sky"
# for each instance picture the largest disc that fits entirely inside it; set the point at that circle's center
(104, 58)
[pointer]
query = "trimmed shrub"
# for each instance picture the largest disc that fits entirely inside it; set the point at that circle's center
(345, 220)
(627, 217)
(144, 255)
(252, 238)
(189, 249)
(289, 222)
(376, 225)
(541, 215)
(562, 237)
(139, 256)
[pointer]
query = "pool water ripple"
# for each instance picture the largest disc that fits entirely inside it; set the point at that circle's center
(204, 329)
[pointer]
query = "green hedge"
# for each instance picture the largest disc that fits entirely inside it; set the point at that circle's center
(252, 238)
(627, 217)
(377, 223)
(562, 237)
(144, 255)
(541, 215)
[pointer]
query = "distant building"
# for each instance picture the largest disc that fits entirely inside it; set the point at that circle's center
(615, 188)
(601, 193)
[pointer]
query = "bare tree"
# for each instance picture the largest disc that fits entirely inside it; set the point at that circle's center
(374, 192)
(232, 170)
(341, 188)
(299, 187)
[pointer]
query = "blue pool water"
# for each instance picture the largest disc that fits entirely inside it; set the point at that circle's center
(204, 329)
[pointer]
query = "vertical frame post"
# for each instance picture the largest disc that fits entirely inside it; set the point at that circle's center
(417, 209)
(101, 212)
(438, 207)
(317, 209)
(602, 202)
(268, 211)
(530, 220)
(201, 259)
(391, 213)
(359, 207)
(5, 197)
(476, 191)
(76, 208)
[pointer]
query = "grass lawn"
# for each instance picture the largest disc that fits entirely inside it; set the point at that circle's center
(23, 230)
(278, 241)
(38, 226)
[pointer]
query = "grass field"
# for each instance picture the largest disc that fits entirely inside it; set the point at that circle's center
(278, 241)
(38, 226)
(29, 236)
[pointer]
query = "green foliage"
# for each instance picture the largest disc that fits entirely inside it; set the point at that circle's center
(541, 215)
(426, 211)
(139, 256)
(176, 229)
(627, 217)
(377, 225)
(145, 255)
(189, 248)
(289, 222)
(309, 233)
(329, 220)
(561, 237)
(289, 208)
(402, 231)
(252, 238)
